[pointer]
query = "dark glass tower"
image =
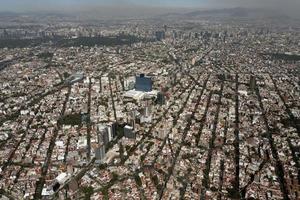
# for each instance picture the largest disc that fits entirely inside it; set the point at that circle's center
(143, 83)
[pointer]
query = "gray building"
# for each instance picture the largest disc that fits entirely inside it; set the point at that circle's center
(103, 136)
(129, 132)
(100, 154)
(252, 83)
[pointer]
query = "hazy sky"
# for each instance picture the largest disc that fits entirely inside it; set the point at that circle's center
(26, 5)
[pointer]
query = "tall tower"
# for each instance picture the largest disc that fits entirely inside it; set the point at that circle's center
(252, 83)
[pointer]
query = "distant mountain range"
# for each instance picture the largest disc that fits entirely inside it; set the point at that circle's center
(238, 12)
(34, 14)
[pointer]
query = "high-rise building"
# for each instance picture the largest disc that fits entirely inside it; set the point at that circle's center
(103, 136)
(129, 132)
(113, 126)
(143, 83)
(129, 83)
(106, 133)
(160, 35)
(160, 99)
(252, 83)
(100, 154)
(174, 34)
(131, 118)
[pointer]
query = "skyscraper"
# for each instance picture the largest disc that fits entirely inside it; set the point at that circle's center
(160, 35)
(143, 83)
(100, 154)
(103, 134)
(129, 132)
(252, 83)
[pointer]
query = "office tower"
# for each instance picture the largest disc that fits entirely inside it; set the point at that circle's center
(160, 35)
(103, 134)
(110, 134)
(131, 118)
(113, 126)
(252, 83)
(143, 83)
(105, 138)
(147, 111)
(112, 130)
(100, 154)
(100, 84)
(160, 99)
(129, 132)
(174, 34)
(129, 83)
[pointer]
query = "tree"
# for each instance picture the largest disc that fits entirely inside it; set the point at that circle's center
(88, 192)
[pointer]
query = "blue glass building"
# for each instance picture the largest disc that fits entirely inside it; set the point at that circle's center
(143, 83)
(160, 35)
